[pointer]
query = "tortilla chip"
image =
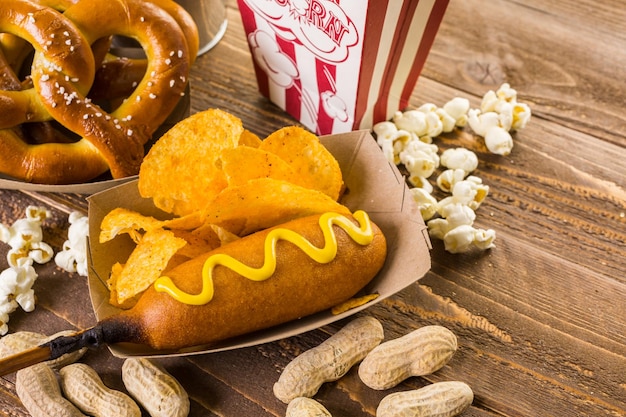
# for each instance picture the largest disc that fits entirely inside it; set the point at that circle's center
(145, 264)
(245, 163)
(248, 138)
(266, 202)
(121, 220)
(314, 165)
(181, 171)
(353, 303)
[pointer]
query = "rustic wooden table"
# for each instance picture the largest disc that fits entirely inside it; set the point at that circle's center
(541, 318)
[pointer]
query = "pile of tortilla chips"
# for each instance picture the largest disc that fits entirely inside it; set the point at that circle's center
(219, 182)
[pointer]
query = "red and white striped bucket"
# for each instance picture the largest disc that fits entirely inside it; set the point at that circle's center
(340, 65)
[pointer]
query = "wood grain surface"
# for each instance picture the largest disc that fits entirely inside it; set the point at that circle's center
(541, 318)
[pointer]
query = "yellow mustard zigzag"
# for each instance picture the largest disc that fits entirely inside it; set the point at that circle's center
(361, 234)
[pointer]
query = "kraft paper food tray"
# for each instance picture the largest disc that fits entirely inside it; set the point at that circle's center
(373, 185)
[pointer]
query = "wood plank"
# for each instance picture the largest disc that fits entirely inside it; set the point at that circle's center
(563, 59)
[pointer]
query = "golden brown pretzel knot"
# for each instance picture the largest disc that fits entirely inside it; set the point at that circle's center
(117, 76)
(15, 48)
(21, 105)
(109, 141)
(17, 158)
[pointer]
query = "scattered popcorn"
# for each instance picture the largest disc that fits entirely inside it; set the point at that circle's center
(505, 115)
(498, 141)
(470, 192)
(427, 108)
(521, 116)
(421, 182)
(25, 237)
(417, 147)
(425, 123)
(426, 203)
(456, 229)
(452, 216)
(16, 290)
(481, 122)
(449, 177)
(434, 124)
(457, 108)
(419, 165)
(506, 93)
(413, 121)
(448, 123)
(458, 215)
(28, 228)
(499, 113)
(385, 131)
(463, 238)
(73, 256)
(490, 101)
(459, 239)
(459, 158)
(39, 252)
(27, 247)
(482, 190)
(408, 140)
(483, 239)
(391, 140)
(419, 158)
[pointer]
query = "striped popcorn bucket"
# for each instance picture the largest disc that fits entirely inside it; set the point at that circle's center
(340, 65)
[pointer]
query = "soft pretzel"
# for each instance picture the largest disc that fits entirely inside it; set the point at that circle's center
(117, 76)
(120, 76)
(35, 24)
(112, 141)
(15, 48)
(185, 21)
(46, 31)
(9, 81)
(13, 53)
(39, 127)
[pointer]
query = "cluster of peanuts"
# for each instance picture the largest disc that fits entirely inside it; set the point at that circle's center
(65, 387)
(383, 365)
